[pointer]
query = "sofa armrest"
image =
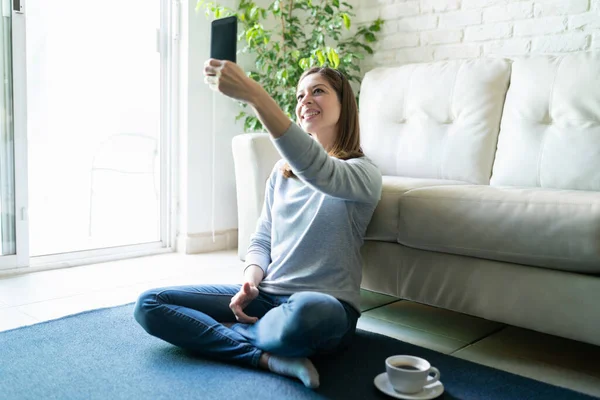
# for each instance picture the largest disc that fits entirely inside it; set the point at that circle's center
(254, 156)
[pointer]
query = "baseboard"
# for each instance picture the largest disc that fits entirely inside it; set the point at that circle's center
(195, 243)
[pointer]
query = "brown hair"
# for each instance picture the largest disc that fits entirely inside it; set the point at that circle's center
(347, 142)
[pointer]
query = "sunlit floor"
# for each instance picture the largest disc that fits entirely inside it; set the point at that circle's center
(41, 296)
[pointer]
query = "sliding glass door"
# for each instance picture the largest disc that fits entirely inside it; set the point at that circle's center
(8, 241)
(94, 123)
(13, 155)
(86, 120)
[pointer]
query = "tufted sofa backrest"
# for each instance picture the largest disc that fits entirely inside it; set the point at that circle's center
(434, 120)
(550, 129)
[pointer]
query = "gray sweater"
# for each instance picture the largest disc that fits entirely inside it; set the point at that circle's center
(311, 228)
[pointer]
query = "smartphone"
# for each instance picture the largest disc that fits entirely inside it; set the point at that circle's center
(223, 39)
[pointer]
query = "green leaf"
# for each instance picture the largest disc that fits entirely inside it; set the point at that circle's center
(370, 37)
(335, 57)
(320, 57)
(328, 9)
(346, 19)
(249, 35)
(303, 63)
(253, 12)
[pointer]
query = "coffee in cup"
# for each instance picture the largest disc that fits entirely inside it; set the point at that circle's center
(408, 374)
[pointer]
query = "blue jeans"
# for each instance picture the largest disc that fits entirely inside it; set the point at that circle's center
(299, 325)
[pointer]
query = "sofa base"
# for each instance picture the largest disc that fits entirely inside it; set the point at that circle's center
(554, 302)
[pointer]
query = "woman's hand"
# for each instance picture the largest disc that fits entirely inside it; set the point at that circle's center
(247, 293)
(228, 78)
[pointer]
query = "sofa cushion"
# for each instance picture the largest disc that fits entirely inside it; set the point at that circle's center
(384, 223)
(550, 131)
(550, 228)
(434, 120)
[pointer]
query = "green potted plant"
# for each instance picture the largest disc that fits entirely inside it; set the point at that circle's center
(305, 33)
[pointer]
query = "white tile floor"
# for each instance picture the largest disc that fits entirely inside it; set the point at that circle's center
(41, 296)
(35, 297)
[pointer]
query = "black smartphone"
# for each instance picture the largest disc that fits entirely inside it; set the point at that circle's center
(223, 39)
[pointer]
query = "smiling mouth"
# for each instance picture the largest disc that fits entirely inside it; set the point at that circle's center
(310, 115)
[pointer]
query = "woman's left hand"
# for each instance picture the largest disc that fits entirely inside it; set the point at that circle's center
(228, 78)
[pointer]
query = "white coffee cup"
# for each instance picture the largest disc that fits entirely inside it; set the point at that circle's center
(408, 374)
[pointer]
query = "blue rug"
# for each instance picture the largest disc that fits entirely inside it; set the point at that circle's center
(104, 354)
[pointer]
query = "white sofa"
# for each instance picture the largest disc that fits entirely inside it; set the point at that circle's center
(491, 188)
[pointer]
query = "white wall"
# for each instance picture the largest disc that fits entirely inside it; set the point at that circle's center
(430, 30)
(196, 145)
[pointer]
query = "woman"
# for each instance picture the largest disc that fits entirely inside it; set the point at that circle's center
(302, 278)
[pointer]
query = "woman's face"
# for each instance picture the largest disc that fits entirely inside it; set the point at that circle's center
(318, 109)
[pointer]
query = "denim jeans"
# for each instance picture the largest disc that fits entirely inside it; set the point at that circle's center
(303, 324)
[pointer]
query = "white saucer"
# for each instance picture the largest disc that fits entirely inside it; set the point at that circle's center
(382, 383)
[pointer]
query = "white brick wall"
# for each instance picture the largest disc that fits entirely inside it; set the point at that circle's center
(398, 41)
(440, 37)
(585, 21)
(507, 47)
(469, 50)
(596, 41)
(428, 30)
(439, 5)
(545, 8)
(478, 4)
(487, 32)
(510, 12)
(396, 10)
(415, 54)
(460, 18)
(417, 24)
(541, 26)
(561, 43)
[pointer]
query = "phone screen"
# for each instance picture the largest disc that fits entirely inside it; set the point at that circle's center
(223, 39)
